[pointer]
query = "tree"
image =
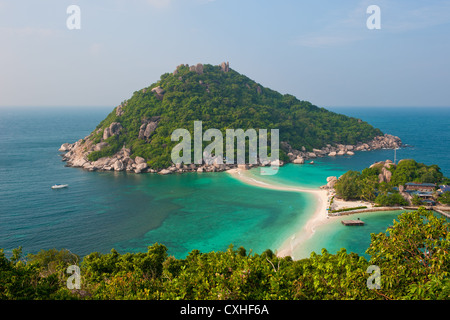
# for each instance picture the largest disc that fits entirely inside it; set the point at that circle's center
(444, 198)
(413, 256)
(347, 186)
(415, 200)
(367, 188)
(391, 199)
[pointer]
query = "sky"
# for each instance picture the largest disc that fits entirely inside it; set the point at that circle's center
(320, 51)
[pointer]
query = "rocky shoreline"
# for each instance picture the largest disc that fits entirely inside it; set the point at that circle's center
(76, 155)
(386, 141)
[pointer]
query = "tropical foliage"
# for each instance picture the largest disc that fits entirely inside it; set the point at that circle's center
(366, 185)
(445, 198)
(222, 100)
(412, 256)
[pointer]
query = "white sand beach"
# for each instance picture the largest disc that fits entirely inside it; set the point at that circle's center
(319, 217)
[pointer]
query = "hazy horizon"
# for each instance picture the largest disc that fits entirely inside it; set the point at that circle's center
(322, 52)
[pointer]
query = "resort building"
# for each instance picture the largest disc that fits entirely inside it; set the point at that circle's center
(424, 187)
(425, 196)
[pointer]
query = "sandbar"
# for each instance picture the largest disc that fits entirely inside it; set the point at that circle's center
(319, 217)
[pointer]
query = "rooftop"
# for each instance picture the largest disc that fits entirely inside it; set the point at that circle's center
(420, 184)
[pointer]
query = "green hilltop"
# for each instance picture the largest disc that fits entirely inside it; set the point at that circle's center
(221, 98)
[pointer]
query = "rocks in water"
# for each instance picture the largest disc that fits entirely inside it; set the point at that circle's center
(101, 163)
(318, 152)
(299, 160)
(386, 141)
(277, 163)
(65, 147)
(140, 167)
(165, 171)
(118, 165)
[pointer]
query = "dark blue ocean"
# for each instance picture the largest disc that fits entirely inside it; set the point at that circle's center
(104, 210)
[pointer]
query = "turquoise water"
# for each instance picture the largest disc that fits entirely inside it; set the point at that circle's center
(100, 211)
(333, 236)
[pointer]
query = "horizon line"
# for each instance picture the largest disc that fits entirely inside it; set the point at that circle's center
(334, 106)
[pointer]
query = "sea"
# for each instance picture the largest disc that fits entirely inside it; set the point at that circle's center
(204, 211)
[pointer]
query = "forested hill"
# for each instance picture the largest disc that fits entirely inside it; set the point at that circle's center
(221, 98)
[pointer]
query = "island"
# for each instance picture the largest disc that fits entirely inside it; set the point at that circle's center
(136, 135)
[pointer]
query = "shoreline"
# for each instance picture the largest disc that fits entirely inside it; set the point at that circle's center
(76, 155)
(318, 218)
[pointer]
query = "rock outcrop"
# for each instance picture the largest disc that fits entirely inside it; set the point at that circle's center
(76, 155)
(299, 160)
(197, 68)
(119, 110)
(331, 181)
(159, 92)
(225, 66)
(65, 147)
(148, 127)
(113, 129)
(386, 141)
(385, 175)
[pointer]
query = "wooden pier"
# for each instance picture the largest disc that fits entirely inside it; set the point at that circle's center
(352, 222)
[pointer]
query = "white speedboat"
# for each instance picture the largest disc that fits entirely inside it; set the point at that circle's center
(60, 186)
